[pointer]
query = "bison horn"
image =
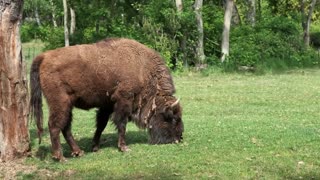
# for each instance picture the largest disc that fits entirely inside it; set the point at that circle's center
(175, 103)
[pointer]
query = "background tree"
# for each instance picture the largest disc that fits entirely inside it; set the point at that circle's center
(226, 29)
(171, 27)
(65, 20)
(200, 47)
(307, 21)
(72, 21)
(182, 38)
(251, 13)
(14, 134)
(53, 9)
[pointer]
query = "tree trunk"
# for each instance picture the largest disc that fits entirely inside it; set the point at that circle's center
(183, 39)
(73, 21)
(66, 32)
(14, 134)
(307, 24)
(36, 12)
(200, 49)
(179, 5)
(53, 9)
(236, 20)
(226, 30)
(251, 14)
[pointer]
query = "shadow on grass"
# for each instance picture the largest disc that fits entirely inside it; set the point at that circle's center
(304, 176)
(109, 140)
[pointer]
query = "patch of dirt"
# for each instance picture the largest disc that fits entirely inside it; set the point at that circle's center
(10, 170)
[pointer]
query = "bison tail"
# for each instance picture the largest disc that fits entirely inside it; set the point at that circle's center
(36, 95)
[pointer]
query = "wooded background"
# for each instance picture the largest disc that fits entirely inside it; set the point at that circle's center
(263, 33)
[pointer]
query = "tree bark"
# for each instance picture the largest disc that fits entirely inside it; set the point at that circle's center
(200, 48)
(251, 13)
(14, 134)
(226, 30)
(307, 24)
(36, 12)
(179, 5)
(236, 20)
(183, 39)
(73, 21)
(53, 9)
(66, 32)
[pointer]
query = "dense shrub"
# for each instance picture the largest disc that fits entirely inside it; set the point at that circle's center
(315, 39)
(29, 31)
(272, 43)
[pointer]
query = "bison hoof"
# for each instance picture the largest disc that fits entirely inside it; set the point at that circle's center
(124, 149)
(59, 158)
(77, 153)
(95, 148)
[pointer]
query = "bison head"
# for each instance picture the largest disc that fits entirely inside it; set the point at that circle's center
(166, 124)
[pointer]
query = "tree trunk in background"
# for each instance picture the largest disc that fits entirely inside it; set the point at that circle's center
(251, 14)
(307, 23)
(226, 30)
(73, 21)
(37, 15)
(236, 20)
(66, 32)
(179, 5)
(183, 39)
(200, 48)
(14, 134)
(53, 9)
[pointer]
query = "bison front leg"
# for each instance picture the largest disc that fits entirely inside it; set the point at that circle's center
(121, 139)
(122, 111)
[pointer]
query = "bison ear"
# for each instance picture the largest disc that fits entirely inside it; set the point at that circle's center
(168, 113)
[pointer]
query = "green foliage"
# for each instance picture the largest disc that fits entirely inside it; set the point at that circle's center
(53, 37)
(315, 39)
(272, 44)
(29, 31)
(213, 23)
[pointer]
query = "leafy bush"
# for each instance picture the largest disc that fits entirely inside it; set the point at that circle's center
(29, 31)
(274, 43)
(53, 37)
(315, 39)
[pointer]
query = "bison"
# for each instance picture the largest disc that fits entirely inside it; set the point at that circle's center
(122, 78)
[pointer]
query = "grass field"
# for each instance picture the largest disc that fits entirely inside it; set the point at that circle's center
(237, 126)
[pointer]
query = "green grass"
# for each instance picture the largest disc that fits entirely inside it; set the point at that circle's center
(237, 126)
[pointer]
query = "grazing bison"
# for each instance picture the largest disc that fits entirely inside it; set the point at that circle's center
(118, 76)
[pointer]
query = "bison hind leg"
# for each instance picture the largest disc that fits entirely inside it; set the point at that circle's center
(66, 131)
(102, 119)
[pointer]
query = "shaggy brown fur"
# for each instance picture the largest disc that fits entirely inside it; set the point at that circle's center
(118, 76)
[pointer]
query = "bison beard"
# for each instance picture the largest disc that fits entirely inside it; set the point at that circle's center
(124, 79)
